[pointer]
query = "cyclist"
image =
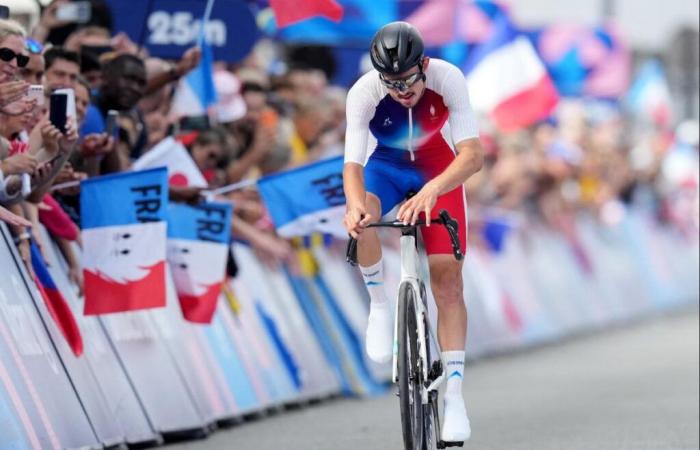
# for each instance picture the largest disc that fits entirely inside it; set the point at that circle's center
(413, 113)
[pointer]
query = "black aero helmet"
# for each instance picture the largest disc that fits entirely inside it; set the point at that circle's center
(396, 47)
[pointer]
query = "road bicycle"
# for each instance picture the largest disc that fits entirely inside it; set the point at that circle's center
(417, 371)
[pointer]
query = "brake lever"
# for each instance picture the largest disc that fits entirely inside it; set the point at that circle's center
(351, 251)
(452, 229)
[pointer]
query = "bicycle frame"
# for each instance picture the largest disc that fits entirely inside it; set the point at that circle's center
(410, 276)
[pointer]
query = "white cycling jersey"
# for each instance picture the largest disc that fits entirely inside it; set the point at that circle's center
(442, 116)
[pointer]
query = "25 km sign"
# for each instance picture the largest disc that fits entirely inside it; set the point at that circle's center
(172, 26)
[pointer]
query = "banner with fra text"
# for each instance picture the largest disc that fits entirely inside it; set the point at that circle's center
(198, 245)
(308, 199)
(124, 233)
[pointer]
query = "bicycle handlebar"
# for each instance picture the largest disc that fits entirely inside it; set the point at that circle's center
(443, 218)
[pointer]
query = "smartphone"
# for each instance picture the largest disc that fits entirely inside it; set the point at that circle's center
(57, 110)
(111, 126)
(70, 105)
(4, 12)
(79, 12)
(36, 92)
(26, 184)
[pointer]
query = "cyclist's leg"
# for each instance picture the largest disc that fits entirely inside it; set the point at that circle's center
(447, 285)
(369, 250)
(380, 324)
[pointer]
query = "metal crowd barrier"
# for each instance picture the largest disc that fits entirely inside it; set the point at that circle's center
(290, 335)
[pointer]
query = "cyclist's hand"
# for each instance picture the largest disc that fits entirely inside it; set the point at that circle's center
(356, 219)
(422, 202)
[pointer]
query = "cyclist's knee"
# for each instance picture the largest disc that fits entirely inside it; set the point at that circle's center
(446, 282)
(374, 206)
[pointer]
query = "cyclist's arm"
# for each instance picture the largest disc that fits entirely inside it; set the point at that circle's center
(359, 112)
(353, 184)
(469, 160)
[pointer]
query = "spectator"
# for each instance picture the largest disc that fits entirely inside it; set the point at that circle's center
(124, 84)
(33, 72)
(13, 56)
(51, 29)
(62, 69)
(209, 153)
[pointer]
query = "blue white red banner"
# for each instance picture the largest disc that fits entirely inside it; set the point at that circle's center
(307, 200)
(124, 231)
(198, 239)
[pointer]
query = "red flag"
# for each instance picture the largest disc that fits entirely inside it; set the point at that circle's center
(55, 303)
(288, 12)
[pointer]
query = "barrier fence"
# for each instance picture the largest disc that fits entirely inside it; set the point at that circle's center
(289, 335)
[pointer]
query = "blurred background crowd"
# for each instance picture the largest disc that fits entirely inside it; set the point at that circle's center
(282, 104)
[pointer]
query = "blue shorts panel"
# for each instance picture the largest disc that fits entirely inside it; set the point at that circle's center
(391, 181)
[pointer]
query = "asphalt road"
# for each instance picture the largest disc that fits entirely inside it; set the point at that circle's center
(634, 387)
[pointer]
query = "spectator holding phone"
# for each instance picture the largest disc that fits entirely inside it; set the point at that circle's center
(124, 84)
(94, 148)
(13, 56)
(62, 17)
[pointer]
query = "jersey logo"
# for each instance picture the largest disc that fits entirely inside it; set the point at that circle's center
(387, 122)
(432, 110)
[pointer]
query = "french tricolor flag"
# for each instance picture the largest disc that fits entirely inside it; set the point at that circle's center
(507, 79)
(649, 96)
(198, 240)
(55, 302)
(124, 233)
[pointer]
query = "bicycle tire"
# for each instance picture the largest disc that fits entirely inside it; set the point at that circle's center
(409, 372)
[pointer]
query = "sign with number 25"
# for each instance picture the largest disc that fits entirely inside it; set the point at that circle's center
(172, 26)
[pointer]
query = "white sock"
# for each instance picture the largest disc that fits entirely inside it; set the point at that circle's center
(380, 336)
(454, 368)
(374, 280)
(456, 427)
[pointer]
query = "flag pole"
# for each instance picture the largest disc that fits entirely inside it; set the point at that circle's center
(67, 184)
(231, 187)
(205, 19)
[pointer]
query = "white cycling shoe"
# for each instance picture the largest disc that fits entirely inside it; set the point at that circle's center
(380, 333)
(455, 427)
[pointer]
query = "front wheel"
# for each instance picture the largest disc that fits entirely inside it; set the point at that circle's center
(409, 372)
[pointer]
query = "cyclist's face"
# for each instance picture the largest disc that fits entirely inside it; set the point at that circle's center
(405, 88)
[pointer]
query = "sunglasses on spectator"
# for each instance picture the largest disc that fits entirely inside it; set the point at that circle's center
(33, 46)
(7, 55)
(404, 83)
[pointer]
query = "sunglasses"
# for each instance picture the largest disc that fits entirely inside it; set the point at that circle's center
(8, 55)
(402, 84)
(33, 46)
